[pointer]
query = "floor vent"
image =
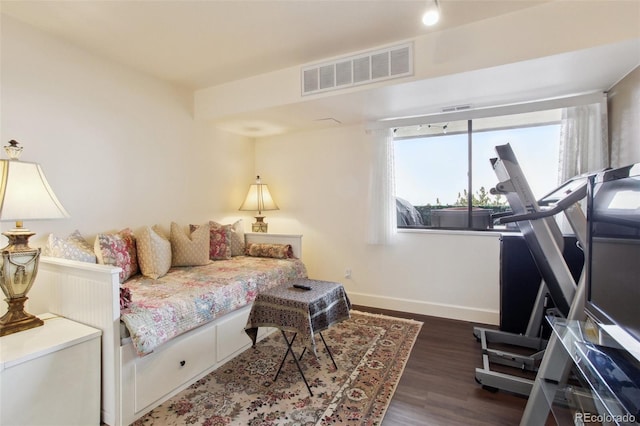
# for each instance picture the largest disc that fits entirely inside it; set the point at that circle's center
(369, 67)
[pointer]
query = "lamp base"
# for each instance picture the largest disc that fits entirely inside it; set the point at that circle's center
(16, 319)
(259, 225)
(19, 268)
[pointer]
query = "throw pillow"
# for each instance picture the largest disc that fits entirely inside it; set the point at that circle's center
(189, 250)
(219, 238)
(235, 233)
(278, 251)
(73, 247)
(154, 252)
(125, 297)
(118, 249)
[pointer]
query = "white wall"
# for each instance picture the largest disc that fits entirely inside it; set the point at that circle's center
(320, 181)
(119, 148)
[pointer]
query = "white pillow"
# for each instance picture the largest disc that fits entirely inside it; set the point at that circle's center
(73, 247)
(237, 238)
(154, 252)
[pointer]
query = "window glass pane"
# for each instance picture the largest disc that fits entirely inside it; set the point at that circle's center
(536, 148)
(432, 167)
(432, 170)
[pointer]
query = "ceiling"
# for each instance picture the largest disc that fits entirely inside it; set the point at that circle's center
(198, 44)
(202, 43)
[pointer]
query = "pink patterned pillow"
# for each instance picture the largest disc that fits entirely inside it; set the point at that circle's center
(235, 236)
(219, 241)
(118, 249)
(125, 297)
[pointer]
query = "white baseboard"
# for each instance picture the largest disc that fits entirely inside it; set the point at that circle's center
(483, 316)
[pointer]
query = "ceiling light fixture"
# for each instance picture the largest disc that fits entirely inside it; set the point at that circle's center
(432, 13)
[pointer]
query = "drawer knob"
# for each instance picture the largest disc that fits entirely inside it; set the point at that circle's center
(182, 363)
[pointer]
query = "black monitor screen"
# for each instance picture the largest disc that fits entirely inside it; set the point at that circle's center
(613, 280)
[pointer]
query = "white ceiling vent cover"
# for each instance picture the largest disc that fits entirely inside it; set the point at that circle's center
(364, 68)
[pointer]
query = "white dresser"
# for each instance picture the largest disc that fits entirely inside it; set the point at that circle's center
(50, 375)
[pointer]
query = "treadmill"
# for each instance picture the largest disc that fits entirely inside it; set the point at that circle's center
(536, 221)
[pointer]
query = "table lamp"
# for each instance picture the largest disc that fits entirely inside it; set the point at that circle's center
(25, 194)
(259, 198)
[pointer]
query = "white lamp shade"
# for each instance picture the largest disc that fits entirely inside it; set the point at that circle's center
(259, 199)
(25, 193)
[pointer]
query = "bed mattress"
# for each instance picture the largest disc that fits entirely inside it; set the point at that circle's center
(188, 297)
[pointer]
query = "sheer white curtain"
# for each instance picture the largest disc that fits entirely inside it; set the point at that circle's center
(584, 141)
(382, 201)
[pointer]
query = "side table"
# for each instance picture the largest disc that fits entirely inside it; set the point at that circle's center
(300, 311)
(50, 375)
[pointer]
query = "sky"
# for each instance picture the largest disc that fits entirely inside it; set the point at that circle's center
(435, 168)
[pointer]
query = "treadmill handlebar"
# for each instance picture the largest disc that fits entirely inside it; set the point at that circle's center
(561, 205)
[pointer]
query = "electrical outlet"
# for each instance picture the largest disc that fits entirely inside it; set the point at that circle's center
(347, 273)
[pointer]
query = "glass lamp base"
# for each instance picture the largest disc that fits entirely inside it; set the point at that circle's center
(19, 268)
(259, 225)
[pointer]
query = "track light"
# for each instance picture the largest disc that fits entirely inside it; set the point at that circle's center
(444, 128)
(432, 13)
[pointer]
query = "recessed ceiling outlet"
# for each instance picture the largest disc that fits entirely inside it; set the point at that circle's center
(251, 128)
(456, 108)
(362, 68)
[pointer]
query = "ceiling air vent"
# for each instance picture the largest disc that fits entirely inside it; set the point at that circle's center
(456, 108)
(364, 68)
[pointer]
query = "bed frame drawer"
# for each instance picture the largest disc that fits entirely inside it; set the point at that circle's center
(173, 364)
(231, 335)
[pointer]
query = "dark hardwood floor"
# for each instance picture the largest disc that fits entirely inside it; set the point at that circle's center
(438, 385)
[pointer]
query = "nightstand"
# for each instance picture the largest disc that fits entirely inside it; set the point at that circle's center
(50, 375)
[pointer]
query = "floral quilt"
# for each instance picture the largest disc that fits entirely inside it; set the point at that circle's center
(188, 297)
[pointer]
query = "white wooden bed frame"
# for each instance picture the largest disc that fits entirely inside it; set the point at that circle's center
(132, 385)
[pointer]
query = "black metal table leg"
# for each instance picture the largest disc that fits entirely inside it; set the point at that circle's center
(290, 349)
(328, 351)
(286, 353)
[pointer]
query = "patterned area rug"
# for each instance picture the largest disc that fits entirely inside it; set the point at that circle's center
(371, 352)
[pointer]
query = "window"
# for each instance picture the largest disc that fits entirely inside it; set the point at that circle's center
(443, 168)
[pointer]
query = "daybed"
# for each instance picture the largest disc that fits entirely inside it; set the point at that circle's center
(132, 384)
